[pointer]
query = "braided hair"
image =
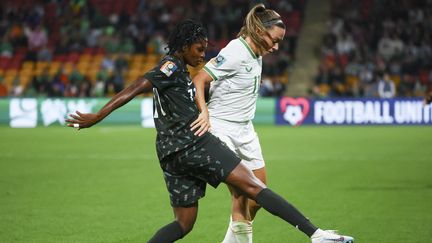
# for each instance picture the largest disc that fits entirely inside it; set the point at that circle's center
(184, 34)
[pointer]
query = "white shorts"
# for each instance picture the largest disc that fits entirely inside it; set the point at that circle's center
(240, 138)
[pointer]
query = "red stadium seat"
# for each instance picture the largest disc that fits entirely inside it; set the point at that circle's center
(59, 58)
(73, 57)
(4, 62)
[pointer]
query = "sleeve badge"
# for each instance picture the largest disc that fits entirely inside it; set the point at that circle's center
(168, 68)
(217, 61)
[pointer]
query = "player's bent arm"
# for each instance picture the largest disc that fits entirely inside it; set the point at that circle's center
(200, 80)
(202, 124)
(87, 120)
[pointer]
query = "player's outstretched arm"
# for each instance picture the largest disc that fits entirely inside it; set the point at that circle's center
(202, 124)
(85, 120)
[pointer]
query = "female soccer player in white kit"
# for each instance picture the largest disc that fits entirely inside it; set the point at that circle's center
(235, 76)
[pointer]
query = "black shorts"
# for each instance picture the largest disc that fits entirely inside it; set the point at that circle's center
(187, 172)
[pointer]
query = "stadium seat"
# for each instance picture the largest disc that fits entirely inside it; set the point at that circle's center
(68, 68)
(54, 67)
(59, 58)
(92, 75)
(152, 59)
(24, 80)
(73, 57)
(4, 62)
(352, 80)
(9, 79)
(324, 89)
(396, 79)
(85, 57)
(11, 72)
(28, 65)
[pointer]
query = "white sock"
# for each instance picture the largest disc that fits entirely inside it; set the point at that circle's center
(239, 232)
(229, 236)
(242, 231)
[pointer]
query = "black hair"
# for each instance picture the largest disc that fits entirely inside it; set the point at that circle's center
(184, 34)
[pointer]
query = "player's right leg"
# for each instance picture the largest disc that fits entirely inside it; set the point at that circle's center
(185, 218)
(244, 180)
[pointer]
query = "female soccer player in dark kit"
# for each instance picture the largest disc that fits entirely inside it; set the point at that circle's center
(188, 161)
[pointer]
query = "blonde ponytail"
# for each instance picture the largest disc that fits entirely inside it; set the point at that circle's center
(257, 21)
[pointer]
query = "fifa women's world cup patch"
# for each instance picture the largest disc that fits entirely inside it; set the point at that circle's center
(217, 61)
(168, 68)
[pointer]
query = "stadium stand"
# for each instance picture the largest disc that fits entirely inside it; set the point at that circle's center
(368, 40)
(82, 48)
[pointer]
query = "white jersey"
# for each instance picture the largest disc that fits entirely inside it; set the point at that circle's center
(236, 73)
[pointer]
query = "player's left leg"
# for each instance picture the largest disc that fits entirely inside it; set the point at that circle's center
(240, 226)
(248, 147)
(185, 218)
(243, 211)
(184, 192)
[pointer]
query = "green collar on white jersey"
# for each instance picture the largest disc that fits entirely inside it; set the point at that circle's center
(247, 47)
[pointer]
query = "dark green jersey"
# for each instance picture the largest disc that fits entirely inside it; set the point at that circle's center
(174, 106)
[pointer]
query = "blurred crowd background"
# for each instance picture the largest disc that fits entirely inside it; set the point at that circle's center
(376, 49)
(94, 48)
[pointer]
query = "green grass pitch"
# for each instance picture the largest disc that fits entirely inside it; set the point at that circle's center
(104, 184)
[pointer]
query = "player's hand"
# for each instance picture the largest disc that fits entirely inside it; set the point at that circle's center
(82, 120)
(201, 125)
(428, 98)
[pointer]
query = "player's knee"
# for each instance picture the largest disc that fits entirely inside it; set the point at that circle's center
(252, 189)
(186, 226)
(243, 179)
(251, 186)
(188, 229)
(254, 186)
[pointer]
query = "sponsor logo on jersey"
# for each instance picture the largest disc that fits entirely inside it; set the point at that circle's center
(168, 68)
(218, 61)
(248, 69)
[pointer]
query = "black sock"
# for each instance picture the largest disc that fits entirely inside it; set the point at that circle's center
(278, 206)
(167, 234)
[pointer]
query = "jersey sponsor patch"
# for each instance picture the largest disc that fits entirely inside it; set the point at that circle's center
(168, 68)
(217, 61)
